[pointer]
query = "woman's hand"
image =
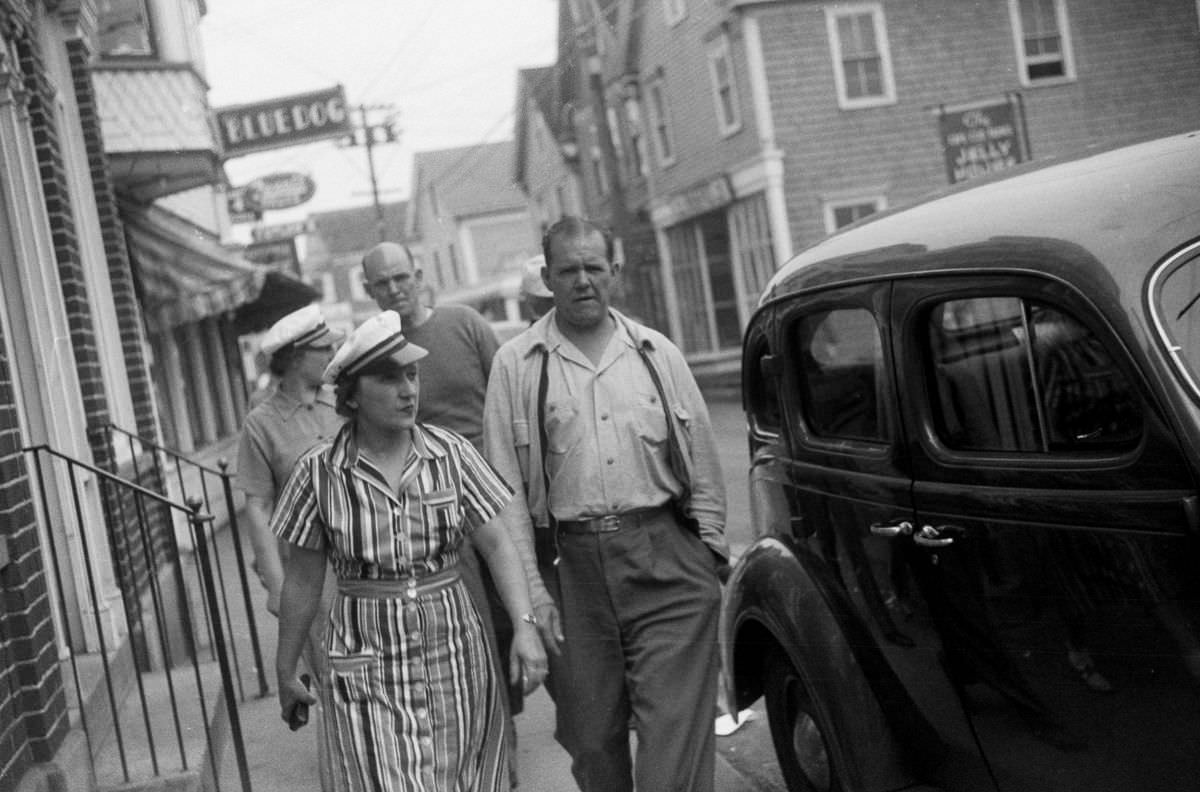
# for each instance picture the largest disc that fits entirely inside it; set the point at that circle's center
(528, 660)
(292, 691)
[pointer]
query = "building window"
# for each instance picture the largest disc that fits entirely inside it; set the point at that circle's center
(720, 70)
(637, 141)
(862, 62)
(614, 132)
(674, 11)
(660, 121)
(1042, 41)
(125, 29)
(841, 213)
(599, 177)
(357, 292)
(455, 271)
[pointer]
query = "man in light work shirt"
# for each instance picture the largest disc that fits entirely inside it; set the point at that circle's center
(597, 423)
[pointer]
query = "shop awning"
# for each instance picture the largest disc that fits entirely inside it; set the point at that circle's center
(187, 275)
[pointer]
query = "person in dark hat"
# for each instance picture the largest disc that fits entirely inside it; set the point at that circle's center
(298, 413)
(414, 698)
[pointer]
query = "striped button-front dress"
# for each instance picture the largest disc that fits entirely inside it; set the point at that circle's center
(412, 699)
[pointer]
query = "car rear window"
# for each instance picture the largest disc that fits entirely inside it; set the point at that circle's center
(1175, 305)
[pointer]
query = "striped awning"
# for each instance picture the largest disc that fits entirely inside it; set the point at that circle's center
(184, 271)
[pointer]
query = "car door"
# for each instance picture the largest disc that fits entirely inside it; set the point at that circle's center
(1057, 557)
(850, 485)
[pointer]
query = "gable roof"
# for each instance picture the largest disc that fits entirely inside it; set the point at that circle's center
(352, 230)
(465, 182)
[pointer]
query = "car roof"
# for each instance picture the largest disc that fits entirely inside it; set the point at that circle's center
(1100, 221)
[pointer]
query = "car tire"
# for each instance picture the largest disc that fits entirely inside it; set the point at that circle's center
(800, 734)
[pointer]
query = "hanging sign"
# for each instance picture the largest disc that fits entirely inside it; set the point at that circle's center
(981, 138)
(274, 191)
(286, 121)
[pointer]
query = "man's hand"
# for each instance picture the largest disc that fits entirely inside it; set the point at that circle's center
(550, 627)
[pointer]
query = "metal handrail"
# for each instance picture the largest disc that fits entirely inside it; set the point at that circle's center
(226, 480)
(116, 489)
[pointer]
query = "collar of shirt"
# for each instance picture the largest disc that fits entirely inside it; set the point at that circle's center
(546, 335)
(344, 453)
(287, 405)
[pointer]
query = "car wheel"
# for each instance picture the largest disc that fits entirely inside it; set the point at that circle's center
(801, 739)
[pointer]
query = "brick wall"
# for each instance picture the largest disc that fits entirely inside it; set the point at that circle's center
(1133, 63)
(681, 52)
(33, 715)
(129, 316)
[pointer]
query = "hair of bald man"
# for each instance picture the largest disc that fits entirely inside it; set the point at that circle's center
(408, 253)
(572, 227)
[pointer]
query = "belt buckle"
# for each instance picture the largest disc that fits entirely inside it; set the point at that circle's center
(609, 523)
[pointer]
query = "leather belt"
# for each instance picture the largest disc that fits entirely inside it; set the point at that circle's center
(608, 523)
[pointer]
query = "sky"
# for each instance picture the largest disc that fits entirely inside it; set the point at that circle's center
(448, 68)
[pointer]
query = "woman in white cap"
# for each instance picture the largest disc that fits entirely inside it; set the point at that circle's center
(298, 414)
(412, 697)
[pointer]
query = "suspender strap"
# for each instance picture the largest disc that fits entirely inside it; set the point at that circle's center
(545, 547)
(675, 448)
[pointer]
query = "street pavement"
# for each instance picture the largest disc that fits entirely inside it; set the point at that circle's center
(283, 761)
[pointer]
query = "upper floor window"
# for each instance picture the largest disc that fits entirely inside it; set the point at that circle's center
(125, 29)
(660, 121)
(1042, 40)
(674, 10)
(720, 70)
(862, 61)
(637, 140)
(841, 213)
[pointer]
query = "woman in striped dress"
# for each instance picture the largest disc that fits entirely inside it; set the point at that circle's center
(412, 699)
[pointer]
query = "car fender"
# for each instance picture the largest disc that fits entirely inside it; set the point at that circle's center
(776, 600)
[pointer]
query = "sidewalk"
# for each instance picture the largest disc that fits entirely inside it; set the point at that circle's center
(280, 760)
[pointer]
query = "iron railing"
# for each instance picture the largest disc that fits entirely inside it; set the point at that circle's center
(193, 480)
(157, 651)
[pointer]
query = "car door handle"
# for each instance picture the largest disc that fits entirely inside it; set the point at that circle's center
(890, 530)
(937, 535)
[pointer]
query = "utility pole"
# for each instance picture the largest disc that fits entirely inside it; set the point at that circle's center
(390, 134)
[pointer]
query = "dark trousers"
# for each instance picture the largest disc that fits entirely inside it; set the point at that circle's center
(639, 609)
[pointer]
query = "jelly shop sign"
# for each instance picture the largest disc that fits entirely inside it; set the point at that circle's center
(286, 121)
(980, 140)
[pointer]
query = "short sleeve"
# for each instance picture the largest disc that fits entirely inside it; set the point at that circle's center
(254, 475)
(484, 491)
(297, 518)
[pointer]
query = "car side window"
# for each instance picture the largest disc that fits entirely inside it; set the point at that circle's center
(1009, 374)
(840, 361)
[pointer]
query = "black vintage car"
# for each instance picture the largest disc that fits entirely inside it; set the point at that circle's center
(975, 454)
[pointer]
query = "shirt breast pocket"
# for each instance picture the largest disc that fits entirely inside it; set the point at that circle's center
(649, 420)
(440, 509)
(563, 428)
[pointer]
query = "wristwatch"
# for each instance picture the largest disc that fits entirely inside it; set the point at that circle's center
(529, 618)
